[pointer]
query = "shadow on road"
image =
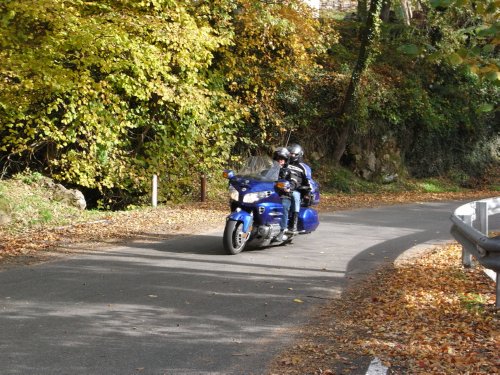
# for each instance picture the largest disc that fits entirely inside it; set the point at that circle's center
(179, 305)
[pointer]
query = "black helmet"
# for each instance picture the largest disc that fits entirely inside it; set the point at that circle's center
(296, 152)
(281, 153)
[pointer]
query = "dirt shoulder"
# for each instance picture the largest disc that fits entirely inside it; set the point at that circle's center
(152, 224)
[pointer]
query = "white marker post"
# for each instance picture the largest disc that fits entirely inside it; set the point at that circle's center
(154, 195)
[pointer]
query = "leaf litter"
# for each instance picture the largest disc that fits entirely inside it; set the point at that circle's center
(152, 224)
(428, 315)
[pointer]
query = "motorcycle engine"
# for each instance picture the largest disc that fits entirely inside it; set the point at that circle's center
(268, 231)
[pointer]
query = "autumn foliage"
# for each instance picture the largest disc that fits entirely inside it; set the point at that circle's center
(103, 94)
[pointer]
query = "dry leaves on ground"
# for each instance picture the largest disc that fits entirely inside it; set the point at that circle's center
(152, 224)
(364, 200)
(428, 316)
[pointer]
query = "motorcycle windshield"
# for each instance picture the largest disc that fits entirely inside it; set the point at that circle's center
(261, 168)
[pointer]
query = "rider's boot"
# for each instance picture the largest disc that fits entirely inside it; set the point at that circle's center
(281, 236)
(295, 219)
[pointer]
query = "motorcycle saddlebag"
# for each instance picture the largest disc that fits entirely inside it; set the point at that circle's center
(308, 219)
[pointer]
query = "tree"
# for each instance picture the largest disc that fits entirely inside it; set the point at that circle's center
(274, 47)
(104, 94)
(368, 38)
(475, 29)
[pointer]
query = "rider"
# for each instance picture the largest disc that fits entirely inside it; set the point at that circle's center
(281, 155)
(300, 175)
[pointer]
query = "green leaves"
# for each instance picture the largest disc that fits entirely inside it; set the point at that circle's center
(409, 49)
(493, 76)
(485, 107)
(470, 43)
(441, 4)
(455, 59)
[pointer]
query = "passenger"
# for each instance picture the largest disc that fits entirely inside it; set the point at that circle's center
(300, 184)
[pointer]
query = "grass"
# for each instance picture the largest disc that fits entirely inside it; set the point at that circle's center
(433, 185)
(473, 302)
(339, 179)
(30, 205)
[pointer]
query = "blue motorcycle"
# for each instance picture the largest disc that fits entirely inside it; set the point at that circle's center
(256, 208)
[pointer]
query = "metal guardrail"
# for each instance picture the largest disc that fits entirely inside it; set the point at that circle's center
(470, 229)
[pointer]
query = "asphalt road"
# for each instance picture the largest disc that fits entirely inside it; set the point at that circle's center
(184, 307)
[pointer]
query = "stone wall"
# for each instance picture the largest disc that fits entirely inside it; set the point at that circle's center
(338, 4)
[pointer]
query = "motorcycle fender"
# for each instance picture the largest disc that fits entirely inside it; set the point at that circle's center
(244, 217)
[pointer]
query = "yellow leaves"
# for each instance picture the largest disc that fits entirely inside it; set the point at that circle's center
(273, 45)
(291, 361)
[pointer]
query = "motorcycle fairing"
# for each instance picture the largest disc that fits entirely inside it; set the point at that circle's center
(244, 186)
(244, 217)
(270, 212)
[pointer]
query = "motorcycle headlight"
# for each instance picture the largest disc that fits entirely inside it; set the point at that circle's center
(233, 193)
(254, 197)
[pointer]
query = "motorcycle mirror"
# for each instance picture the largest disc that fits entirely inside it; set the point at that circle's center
(228, 173)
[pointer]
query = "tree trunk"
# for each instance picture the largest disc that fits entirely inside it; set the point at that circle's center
(341, 145)
(385, 13)
(362, 10)
(369, 35)
(407, 12)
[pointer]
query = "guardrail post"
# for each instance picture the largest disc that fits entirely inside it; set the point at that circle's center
(482, 226)
(470, 228)
(466, 256)
(482, 217)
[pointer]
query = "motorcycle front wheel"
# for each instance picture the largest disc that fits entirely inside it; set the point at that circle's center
(234, 238)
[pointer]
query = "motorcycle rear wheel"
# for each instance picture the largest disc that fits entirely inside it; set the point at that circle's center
(234, 240)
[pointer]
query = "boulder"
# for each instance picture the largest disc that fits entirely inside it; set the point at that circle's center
(72, 197)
